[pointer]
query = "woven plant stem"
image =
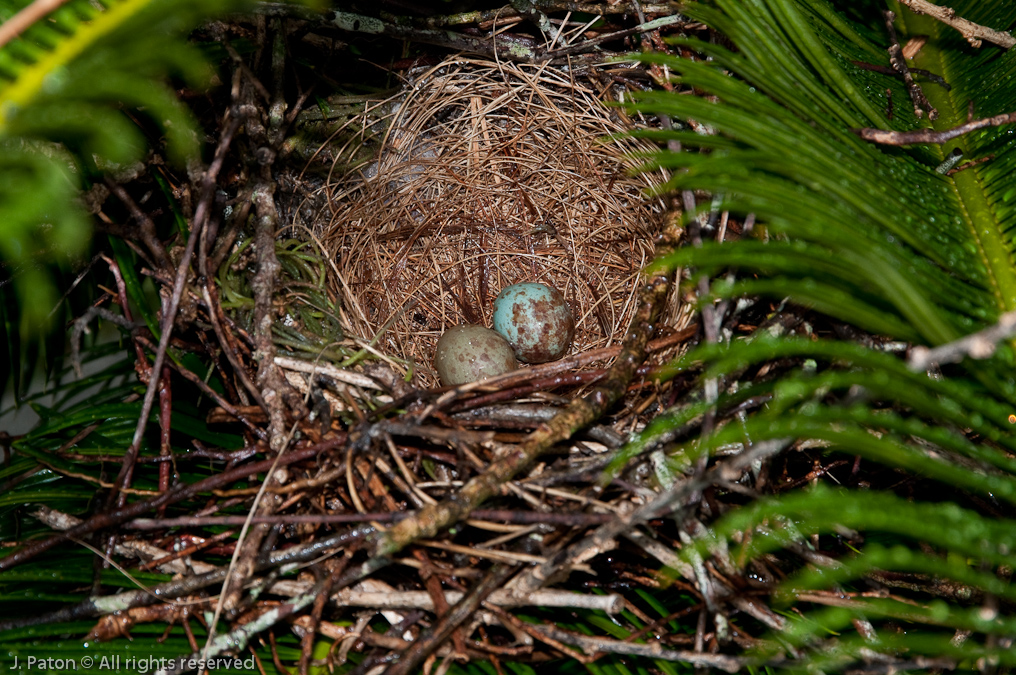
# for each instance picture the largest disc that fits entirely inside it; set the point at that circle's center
(578, 414)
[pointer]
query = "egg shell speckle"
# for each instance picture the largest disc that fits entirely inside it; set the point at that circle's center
(469, 353)
(536, 321)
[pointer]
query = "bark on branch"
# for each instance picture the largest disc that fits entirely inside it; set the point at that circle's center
(973, 32)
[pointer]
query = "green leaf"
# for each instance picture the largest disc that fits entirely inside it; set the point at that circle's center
(872, 236)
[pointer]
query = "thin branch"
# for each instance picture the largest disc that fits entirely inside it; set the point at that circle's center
(930, 135)
(188, 585)
(729, 470)
(214, 395)
(169, 316)
(462, 611)
(886, 70)
(24, 19)
(515, 517)
(243, 632)
(343, 375)
(505, 46)
(57, 520)
(275, 391)
(146, 227)
(81, 326)
(979, 345)
(972, 32)
(654, 650)
(179, 493)
(921, 103)
(509, 47)
(612, 604)
(585, 45)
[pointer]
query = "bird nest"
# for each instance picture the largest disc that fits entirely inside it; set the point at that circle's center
(484, 175)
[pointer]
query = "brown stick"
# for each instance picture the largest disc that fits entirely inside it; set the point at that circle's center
(146, 227)
(463, 609)
(187, 585)
(24, 19)
(131, 511)
(165, 424)
(275, 390)
(232, 411)
(973, 32)
(886, 70)
(169, 316)
(930, 135)
(900, 65)
(522, 517)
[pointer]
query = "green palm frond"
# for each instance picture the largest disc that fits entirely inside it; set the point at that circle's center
(872, 236)
(902, 234)
(67, 84)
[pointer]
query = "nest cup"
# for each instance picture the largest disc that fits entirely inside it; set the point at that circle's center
(489, 174)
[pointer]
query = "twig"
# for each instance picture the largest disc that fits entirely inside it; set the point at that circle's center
(161, 559)
(592, 645)
(515, 517)
(244, 631)
(472, 17)
(275, 390)
(886, 70)
(179, 493)
(729, 470)
(196, 380)
(187, 585)
(512, 48)
(979, 345)
(169, 316)
(921, 103)
(210, 294)
(81, 326)
(463, 609)
(968, 165)
(578, 47)
(611, 604)
(270, 381)
(504, 46)
(24, 19)
(165, 424)
(930, 135)
(972, 32)
(325, 590)
(340, 374)
(145, 225)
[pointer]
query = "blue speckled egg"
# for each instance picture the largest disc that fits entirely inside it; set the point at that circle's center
(469, 353)
(536, 321)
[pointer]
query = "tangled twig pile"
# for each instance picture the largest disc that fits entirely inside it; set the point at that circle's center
(490, 174)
